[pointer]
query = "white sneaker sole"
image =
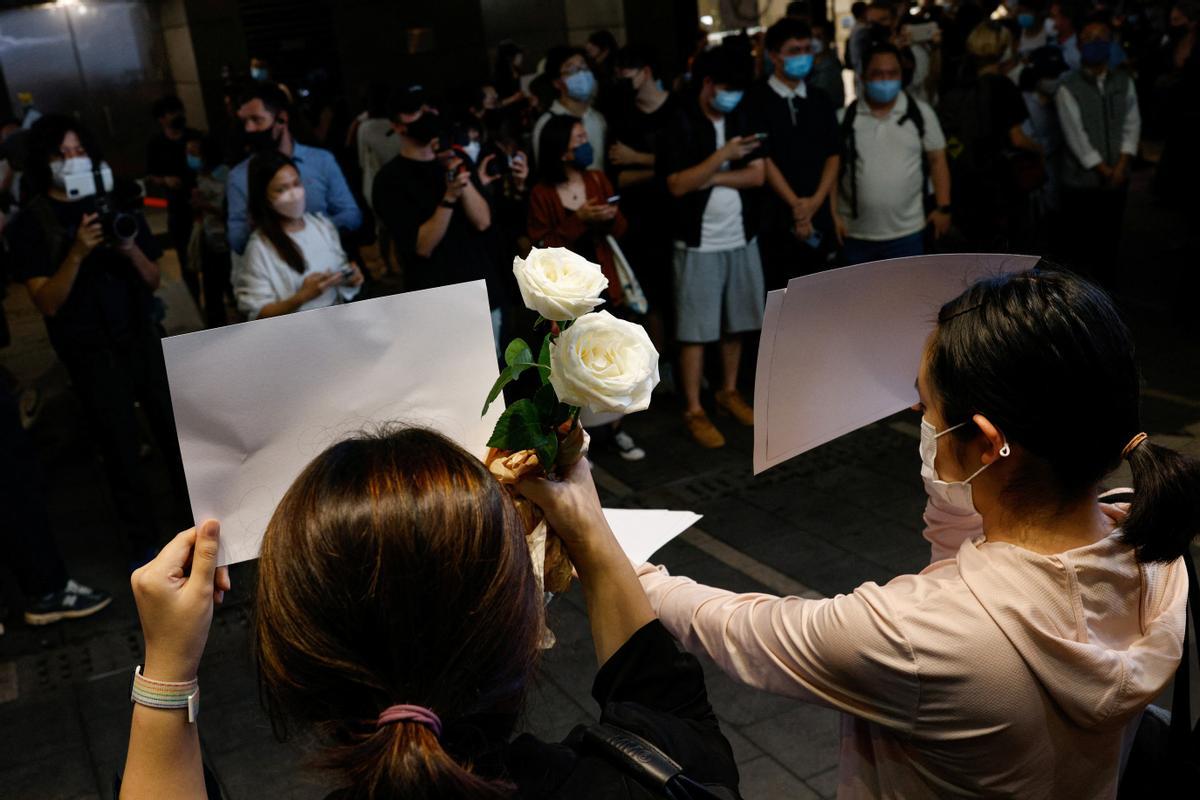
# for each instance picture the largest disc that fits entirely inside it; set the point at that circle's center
(51, 617)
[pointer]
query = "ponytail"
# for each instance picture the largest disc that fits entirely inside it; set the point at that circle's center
(1165, 514)
(406, 760)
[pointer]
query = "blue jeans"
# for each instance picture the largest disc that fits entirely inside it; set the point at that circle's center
(860, 251)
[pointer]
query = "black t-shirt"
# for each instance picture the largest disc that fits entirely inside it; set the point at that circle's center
(802, 135)
(688, 139)
(647, 687)
(642, 203)
(1005, 109)
(168, 158)
(109, 303)
(406, 193)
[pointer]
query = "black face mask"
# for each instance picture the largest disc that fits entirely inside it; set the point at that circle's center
(424, 129)
(260, 141)
(178, 123)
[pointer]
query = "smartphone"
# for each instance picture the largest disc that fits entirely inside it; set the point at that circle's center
(761, 136)
(921, 32)
(347, 273)
(613, 200)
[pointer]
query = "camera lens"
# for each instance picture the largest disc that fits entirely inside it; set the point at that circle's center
(125, 226)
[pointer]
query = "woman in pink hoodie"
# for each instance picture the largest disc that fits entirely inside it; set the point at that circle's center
(1018, 663)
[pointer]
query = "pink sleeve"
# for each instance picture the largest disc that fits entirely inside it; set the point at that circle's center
(947, 528)
(847, 652)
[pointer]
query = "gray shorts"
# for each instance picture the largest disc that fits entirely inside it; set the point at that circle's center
(718, 292)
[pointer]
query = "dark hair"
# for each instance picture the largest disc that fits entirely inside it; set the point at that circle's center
(1190, 9)
(272, 97)
(883, 5)
(506, 51)
(880, 48)
(166, 105)
(786, 28)
(395, 570)
(638, 56)
(858, 9)
(263, 168)
(45, 145)
(556, 57)
(603, 39)
(1073, 10)
(553, 143)
(724, 64)
(1045, 356)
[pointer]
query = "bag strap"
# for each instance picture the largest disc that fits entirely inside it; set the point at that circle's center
(850, 162)
(648, 764)
(913, 112)
(1184, 740)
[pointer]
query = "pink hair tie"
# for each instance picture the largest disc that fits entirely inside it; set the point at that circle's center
(404, 713)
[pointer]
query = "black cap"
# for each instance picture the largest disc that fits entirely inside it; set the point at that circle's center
(408, 99)
(1047, 62)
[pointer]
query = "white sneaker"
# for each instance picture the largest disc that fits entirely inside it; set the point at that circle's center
(628, 449)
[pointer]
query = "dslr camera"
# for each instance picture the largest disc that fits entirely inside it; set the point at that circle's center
(115, 209)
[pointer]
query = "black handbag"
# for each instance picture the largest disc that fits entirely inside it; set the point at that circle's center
(650, 766)
(1164, 761)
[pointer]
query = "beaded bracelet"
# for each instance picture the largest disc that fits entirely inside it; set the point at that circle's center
(166, 694)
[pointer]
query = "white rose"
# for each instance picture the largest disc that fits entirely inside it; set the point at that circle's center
(604, 364)
(558, 284)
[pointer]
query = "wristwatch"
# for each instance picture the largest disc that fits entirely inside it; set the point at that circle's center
(446, 204)
(166, 694)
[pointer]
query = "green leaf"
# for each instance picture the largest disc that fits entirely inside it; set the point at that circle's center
(520, 428)
(544, 360)
(547, 404)
(517, 351)
(506, 377)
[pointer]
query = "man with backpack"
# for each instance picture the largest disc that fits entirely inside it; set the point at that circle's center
(893, 148)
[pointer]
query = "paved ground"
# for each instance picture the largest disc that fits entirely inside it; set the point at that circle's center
(823, 523)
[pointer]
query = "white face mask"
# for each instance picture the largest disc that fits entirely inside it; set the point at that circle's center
(955, 494)
(59, 170)
(472, 150)
(290, 203)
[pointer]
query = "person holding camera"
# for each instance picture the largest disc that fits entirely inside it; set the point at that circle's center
(294, 260)
(89, 262)
(432, 203)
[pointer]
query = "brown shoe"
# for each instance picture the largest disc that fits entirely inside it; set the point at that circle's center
(732, 403)
(703, 431)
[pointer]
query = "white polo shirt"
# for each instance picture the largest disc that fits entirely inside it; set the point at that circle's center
(889, 172)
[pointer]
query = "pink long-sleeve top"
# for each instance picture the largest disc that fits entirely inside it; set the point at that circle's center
(996, 671)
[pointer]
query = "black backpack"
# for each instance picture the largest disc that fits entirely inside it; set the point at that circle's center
(850, 158)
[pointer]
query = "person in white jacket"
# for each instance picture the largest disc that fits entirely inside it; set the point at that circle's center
(294, 261)
(1019, 662)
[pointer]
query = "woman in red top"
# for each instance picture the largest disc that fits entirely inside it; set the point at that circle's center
(570, 207)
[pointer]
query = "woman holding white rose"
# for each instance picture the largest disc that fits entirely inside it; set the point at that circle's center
(564, 287)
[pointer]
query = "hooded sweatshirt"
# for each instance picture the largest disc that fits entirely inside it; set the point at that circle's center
(996, 672)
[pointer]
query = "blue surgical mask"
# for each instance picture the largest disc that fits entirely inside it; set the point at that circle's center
(259, 74)
(883, 91)
(726, 100)
(195, 163)
(583, 155)
(798, 67)
(818, 47)
(1026, 21)
(580, 85)
(1095, 53)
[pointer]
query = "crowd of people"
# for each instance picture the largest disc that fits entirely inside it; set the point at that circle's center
(972, 127)
(695, 186)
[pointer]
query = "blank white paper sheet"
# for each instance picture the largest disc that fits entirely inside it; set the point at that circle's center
(841, 349)
(255, 402)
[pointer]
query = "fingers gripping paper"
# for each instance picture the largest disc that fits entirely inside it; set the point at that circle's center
(254, 403)
(841, 349)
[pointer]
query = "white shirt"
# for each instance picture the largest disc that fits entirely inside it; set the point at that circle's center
(593, 123)
(1080, 144)
(783, 90)
(378, 143)
(266, 278)
(889, 172)
(721, 226)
